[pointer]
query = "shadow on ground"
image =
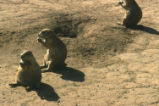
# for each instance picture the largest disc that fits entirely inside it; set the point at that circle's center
(70, 74)
(46, 92)
(146, 29)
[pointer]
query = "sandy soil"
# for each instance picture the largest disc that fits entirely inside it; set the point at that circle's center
(108, 65)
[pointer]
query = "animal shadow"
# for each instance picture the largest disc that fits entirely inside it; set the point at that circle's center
(70, 74)
(46, 92)
(145, 29)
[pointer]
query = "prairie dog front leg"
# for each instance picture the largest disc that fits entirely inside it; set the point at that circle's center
(49, 66)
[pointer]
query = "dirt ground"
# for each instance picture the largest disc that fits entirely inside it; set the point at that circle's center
(108, 65)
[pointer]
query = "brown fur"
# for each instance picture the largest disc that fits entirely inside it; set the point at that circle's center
(133, 13)
(29, 73)
(56, 50)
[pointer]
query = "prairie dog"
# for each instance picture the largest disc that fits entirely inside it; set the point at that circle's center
(29, 73)
(56, 50)
(133, 13)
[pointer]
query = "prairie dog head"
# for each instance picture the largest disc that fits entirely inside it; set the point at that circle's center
(128, 3)
(27, 58)
(47, 37)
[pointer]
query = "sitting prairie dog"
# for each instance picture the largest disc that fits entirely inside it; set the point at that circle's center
(29, 73)
(133, 13)
(56, 50)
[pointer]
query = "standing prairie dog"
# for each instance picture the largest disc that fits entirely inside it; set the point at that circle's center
(133, 13)
(56, 50)
(29, 73)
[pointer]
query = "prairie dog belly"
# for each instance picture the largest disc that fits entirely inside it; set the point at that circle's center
(53, 55)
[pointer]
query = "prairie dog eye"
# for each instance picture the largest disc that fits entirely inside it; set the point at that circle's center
(40, 39)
